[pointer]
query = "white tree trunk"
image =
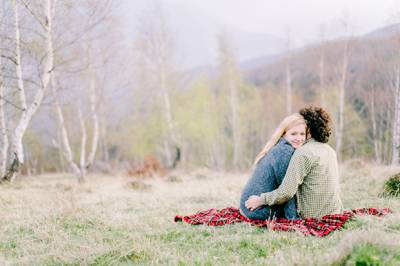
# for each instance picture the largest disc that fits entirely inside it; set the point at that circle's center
(235, 119)
(396, 120)
(322, 79)
(82, 161)
(386, 150)
(18, 66)
(65, 146)
(103, 138)
(218, 147)
(3, 125)
(374, 129)
(60, 151)
(229, 81)
(28, 112)
(288, 88)
(171, 140)
(95, 120)
(3, 133)
(16, 137)
(341, 103)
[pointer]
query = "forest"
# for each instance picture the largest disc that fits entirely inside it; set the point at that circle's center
(77, 97)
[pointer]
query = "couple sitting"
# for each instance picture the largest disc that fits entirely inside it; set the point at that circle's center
(296, 174)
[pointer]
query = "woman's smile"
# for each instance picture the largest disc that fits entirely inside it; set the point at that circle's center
(296, 135)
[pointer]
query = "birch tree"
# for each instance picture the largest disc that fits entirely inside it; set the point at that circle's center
(382, 85)
(95, 120)
(377, 151)
(321, 67)
(393, 81)
(28, 111)
(288, 77)
(155, 52)
(85, 161)
(95, 56)
(341, 99)
(3, 127)
(343, 72)
(377, 94)
(231, 81)
(395, 85)
(65, 142)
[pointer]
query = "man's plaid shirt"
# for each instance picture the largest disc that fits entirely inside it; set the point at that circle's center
(313, 174)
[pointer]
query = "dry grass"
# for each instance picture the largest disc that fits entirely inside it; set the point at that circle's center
(52, 220)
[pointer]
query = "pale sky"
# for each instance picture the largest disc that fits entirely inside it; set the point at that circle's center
(298, 16)
(301, 20)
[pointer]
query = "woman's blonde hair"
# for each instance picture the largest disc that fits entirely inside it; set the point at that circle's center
(286, 124)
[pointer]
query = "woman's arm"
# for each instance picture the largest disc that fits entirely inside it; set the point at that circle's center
(299, 167)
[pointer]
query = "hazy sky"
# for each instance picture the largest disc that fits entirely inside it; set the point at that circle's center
(302, 20)
(301, 17)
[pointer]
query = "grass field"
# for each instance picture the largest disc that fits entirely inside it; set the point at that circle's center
(116, 220)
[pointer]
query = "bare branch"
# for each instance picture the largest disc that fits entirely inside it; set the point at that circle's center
(11, 103)
(35, 16)
(12, 59)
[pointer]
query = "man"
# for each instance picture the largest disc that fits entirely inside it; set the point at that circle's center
(312, 172)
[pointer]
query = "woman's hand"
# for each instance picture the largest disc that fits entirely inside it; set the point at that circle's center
(253, 202)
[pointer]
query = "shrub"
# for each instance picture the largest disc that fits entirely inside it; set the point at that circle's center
(392, 186)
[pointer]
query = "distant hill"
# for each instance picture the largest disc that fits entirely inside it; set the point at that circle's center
(195, 38)
(246, 66)
(384, 32)
(304, 62)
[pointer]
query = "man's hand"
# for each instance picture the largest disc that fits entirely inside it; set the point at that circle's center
(254, 202)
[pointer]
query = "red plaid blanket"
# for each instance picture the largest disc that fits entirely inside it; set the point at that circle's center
(308, 226)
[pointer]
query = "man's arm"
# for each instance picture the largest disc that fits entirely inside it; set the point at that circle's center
(299, 167)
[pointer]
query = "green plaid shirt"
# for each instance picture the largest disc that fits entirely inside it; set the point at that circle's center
(313, 174)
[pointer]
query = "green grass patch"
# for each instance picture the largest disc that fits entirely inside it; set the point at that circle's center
(395, 227)
(354, 223)
(9, 247)
(115, 257)
(76, 226)
(370, 255)
(252, 248)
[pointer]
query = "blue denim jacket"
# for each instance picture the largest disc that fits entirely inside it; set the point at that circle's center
(267, 176)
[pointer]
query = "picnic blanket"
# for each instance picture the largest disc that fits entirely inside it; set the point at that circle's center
(308, 226)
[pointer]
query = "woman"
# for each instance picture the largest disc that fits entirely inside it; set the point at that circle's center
(270, 168)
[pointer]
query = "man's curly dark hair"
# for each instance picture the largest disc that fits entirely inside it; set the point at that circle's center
(318, 121)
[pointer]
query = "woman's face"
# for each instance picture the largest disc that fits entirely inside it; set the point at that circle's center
(296, 135)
